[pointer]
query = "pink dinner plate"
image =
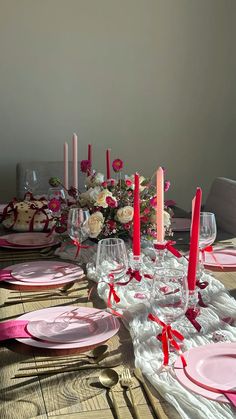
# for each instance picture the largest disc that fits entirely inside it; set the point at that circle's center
(225, 258)
(69, 327)
(44, 273)
(213, 366)
(192, 386)
(180, 224)
(29, 240)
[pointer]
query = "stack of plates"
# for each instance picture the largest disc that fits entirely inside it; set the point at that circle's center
(69, 327)
(43, 273)
(210, 371)
(28, 240)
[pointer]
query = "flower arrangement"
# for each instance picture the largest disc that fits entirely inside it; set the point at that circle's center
(110, 203)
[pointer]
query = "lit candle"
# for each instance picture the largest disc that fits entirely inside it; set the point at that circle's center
(160, 205)
(66, 182)
(194, 241)
(136, 220)
(90, 156)
(108, 163)
(75, 161)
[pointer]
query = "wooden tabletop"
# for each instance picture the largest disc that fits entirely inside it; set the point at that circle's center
(75, 394)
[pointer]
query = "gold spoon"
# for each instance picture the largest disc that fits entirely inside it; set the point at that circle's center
(109, 378)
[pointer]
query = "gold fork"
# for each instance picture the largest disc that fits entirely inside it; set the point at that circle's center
(126, 381)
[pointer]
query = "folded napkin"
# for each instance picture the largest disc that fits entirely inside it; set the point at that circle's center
(5, 274)
(231, 397)
(13, 329)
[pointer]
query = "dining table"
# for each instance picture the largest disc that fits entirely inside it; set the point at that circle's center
(77, 393)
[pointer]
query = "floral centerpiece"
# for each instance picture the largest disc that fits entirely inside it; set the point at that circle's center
(110, 203)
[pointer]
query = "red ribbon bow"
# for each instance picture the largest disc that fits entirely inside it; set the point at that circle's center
(134, 274)
(167, 338)
(79, 247)
(191, 315)
(168, 246)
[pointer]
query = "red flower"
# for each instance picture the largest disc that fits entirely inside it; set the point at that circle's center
(104, 184)
(54, 205)
(117, 165)
(143, 219)
(166, 185)
(127, 226)
(111, 202)
(146, 211)
(128, 182)
(153, 201)
(85, 166)
(112, 182)
(111, 224)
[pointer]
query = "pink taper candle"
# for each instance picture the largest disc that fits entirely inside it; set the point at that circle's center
(160, 205)
(90, 156)
(75, 161)
(136, 220)
(66, 181)
(108, 163)
(194, 241)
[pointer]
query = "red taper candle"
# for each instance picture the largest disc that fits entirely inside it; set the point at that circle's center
(194, 241)
(90, 157)
(108, 163)
(136, 219)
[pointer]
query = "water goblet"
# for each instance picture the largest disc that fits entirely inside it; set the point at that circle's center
(57, 200)
(30, 181)
(77, 225)
(111, 267)
(207, 236)
(169, 303)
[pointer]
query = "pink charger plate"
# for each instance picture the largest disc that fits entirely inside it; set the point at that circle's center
(180, 224)
(30, 240)
(213, 366)
(44, 272)
(86, 327)
(187, 382)
(225, 258)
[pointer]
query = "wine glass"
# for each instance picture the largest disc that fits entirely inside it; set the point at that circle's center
(111, 266)
(169, 300)
(77, 225)
(207, 236)
(30, 181)
(57, 200)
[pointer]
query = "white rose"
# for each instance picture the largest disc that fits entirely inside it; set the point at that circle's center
(93, 193)
(95, 224)
(125, 214)
(101, 198)
(94, 180)
(84, 199)
(167, 220)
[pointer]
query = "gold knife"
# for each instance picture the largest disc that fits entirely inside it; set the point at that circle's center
(155, 403)
(60, 370)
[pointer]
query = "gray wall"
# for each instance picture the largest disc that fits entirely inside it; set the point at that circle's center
(154, 80)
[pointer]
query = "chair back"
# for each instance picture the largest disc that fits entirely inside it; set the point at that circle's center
(222, 201)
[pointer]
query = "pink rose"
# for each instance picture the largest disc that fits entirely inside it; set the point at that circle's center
(117, 165)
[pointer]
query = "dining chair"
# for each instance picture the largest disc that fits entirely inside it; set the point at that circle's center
(222, 201)
(45, 170)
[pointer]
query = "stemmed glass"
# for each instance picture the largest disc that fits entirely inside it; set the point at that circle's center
(207, 236)
(169, 299)
(111, 264)
(30, 180)
(77, 225)
(57, 194)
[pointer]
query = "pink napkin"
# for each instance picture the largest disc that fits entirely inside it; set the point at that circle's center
(5, 274)
(231, 397)
(13, 329)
